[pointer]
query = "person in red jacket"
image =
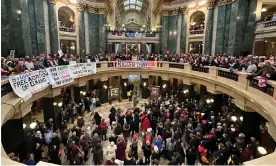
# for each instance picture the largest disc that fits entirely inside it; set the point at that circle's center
(103, 127)
(145, 123)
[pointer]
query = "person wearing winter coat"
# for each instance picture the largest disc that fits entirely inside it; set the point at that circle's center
(98, 155)
(145, 123)
(126, 130)
(97, 118)
(113, 138)
(147, 151)
(129, 160)
(112, 118)
(156, 153)
(111, 151)
(121, 148)
(134, 147)
(158, 142)
(118, 130)
(135, 124)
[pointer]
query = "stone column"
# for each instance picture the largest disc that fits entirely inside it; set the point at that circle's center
(145, 88)
(46, 24)
(172, 34)
(81, 28)
(220, 29)
(102, 33)
(217, 105)
(77, 96)
(183, 33)
(124, 87)
(104, 91)
(209, 28)
(164, 34)
(53, 27)
(251, 124)
(93, 30)
(49, 111)
(178, 37)
(12, 134)
(165, 86)
(86, 30)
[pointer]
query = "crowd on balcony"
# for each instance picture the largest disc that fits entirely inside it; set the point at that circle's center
(257, 66)
(197, 29)
(170, 129)
(267, 18)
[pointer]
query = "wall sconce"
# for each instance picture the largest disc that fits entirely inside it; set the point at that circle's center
(234, 118)
(125, 84)
(55, 103)
(164, 86)
(208, 101)
(33, 125)
(60, 104)
(83, 93)
(186, 91)
(105, 87)
(144, 84)
(24, 125)
(241, 118)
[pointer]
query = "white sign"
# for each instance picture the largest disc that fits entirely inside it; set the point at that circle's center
(114, 92)
(60, 76)
(83, 69)
(27, 84)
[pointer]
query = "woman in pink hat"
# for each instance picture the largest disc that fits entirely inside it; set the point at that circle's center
(147, 151)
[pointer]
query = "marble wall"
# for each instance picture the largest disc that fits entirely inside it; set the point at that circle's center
(220, 29)
(183, 34)
(81, 25)
(226, 28)
(209, 32)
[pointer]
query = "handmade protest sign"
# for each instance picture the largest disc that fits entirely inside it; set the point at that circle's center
(27, 84)
(60, 75)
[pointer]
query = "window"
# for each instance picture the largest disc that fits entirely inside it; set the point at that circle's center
(133, 4)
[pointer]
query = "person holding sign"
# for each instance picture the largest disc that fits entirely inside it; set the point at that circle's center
(129, 95)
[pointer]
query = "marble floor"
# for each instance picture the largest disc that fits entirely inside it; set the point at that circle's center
(104, 112)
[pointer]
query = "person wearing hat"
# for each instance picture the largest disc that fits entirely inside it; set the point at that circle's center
(134, 146)
(156, 154)
(147, 151)
(129, 159)
(111, 151)
(126, 131)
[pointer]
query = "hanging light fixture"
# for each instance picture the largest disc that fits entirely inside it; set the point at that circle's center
(234, 118)
(60, 104)
(33, 125)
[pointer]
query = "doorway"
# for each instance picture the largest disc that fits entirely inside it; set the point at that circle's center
(68, 46)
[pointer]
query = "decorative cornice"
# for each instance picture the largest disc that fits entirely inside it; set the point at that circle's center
(173, 12)
(81, 7)
(211, 4)
(224, 2)
(52, 1)
(96, 10)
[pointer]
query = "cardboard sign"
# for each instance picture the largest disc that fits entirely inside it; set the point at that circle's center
(114, 92)
(83, 69)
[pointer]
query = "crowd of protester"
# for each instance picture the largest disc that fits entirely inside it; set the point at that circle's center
(257, 66)
(172, 128)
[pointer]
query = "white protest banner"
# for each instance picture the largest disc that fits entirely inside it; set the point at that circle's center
(134, 64)
(27, 84)
(60, 75)
(83, 69)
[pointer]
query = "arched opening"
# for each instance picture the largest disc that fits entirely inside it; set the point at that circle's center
(66, 19)
(197, 21)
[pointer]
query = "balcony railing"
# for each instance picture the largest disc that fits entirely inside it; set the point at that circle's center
(228, 74)
(196, 32)
(270, 24)
(200, 69)
(67, 29)
(176, 65)
(268, 89)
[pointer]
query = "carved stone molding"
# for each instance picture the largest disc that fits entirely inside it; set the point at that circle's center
(96, 10)
(224, 2)
(211, 4)
(81, 7)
